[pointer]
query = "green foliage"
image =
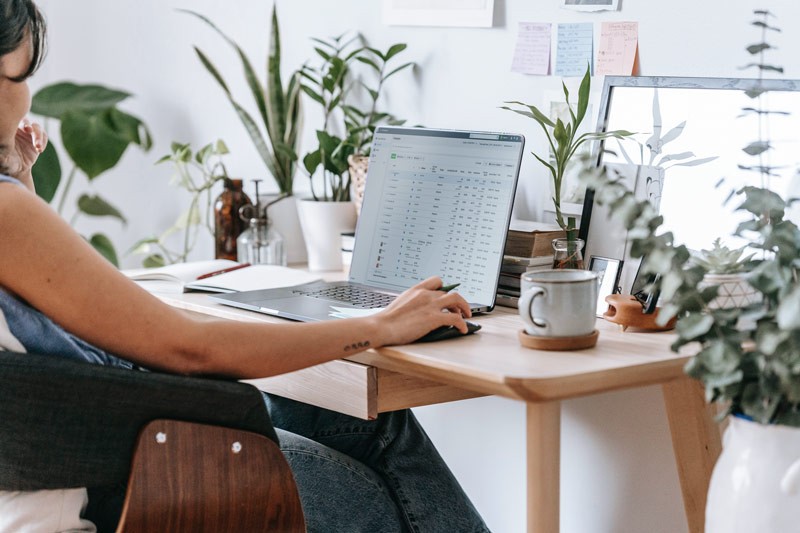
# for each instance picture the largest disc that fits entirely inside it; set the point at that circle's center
(720, 259)
(197, 173)
(277, 137)
(95, 134)
(347, 129)
(748, 358)
(563, 138)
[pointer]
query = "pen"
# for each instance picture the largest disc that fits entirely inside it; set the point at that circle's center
(223, 271)
(448, 288)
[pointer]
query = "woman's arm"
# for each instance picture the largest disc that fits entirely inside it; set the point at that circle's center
(46, 263)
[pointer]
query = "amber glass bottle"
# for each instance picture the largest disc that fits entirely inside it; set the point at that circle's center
(227, 223)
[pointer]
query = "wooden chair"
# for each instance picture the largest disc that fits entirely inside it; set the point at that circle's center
(196, 454)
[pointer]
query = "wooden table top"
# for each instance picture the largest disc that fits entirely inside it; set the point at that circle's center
(493, 361)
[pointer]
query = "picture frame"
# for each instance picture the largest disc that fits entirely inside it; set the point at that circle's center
(609, 271)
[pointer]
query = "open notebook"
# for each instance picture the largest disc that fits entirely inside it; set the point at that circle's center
(183, 277)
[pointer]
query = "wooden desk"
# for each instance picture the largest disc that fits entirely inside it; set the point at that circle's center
(493, 362)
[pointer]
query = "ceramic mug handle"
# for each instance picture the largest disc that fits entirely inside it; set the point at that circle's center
(790, 484)
(526, 309)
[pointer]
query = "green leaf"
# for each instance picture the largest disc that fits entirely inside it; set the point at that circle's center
(758, 48)
(694, 325)
(312, 161)
(130, 128)
(154, 261)
(313, 94)
(788, 314)
(55, 100)
(97, 207)
(47, 173)
(398, 69)
(583, 95)
(540, 117)
(104, 246)
(756, 148)
(368, 61)
(394, 50)
(91, 143)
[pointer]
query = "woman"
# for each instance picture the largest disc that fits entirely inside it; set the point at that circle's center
(353, 475)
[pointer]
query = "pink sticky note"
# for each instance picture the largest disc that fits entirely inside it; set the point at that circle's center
(616, 54)
(532, 53)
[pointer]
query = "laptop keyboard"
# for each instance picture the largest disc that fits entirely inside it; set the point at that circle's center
(350, 294)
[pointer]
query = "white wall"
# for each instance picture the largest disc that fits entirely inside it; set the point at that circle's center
(618, 470)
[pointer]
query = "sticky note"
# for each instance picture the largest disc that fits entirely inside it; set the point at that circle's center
(532, 53)
(574, 48)
(616, 52)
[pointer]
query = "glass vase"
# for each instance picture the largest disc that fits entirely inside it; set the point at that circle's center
(227, 224)
(568, 253)
(261, 244)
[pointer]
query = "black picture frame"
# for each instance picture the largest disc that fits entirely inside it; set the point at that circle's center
(610, 271)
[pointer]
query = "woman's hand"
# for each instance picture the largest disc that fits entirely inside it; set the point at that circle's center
(30, 140)
(421, 309)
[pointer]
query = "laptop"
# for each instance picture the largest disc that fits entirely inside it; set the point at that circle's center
(436, 203)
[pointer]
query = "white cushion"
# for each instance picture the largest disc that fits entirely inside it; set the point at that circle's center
(41, 511)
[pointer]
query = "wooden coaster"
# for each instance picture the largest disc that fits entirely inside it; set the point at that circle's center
(558, 343)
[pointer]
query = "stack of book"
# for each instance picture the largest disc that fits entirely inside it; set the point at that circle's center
(528, 248)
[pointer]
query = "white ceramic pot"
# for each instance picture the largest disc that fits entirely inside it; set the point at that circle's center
(283, 215)
(323, 224)
(755, 486)
(734, 291)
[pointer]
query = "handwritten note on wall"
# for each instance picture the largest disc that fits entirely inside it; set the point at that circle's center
(616, 53)
(574, 48)
(532, 54)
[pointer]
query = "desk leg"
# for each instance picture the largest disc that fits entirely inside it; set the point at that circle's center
(544, 466)
(696, 442)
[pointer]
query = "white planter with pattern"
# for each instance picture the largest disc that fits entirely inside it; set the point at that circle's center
(734, 291)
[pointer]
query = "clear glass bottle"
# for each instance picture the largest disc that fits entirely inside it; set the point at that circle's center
(261, 244)
(568, 253)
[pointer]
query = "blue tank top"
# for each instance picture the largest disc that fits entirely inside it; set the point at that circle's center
(38, 334)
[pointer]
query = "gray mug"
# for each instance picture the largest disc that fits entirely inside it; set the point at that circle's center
(558, 303)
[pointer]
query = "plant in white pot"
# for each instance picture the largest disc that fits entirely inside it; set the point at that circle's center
(275, 129)
(726, 268)
(747, 357)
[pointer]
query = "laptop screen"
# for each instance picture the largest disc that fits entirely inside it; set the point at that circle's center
(437, 203)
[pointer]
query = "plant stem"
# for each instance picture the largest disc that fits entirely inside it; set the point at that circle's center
(65, 191)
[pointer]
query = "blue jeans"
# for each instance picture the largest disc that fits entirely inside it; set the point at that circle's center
(372, 476)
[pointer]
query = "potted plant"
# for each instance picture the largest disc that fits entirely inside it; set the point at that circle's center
(343, 138)
(726, 268)
(95, 134)
(275, 130)
(361, 121)
(197, 173)
(748, 357)
(564, 142)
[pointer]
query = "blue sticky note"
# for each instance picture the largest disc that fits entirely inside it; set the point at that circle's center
(574, 48)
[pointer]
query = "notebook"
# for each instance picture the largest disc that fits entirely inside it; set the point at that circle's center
(436, 203)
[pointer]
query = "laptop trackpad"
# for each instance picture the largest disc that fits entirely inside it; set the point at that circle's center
(303, 308)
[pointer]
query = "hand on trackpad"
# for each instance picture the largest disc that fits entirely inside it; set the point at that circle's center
(448, 332)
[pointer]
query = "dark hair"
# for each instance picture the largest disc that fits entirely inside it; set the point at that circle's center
(18, 19)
